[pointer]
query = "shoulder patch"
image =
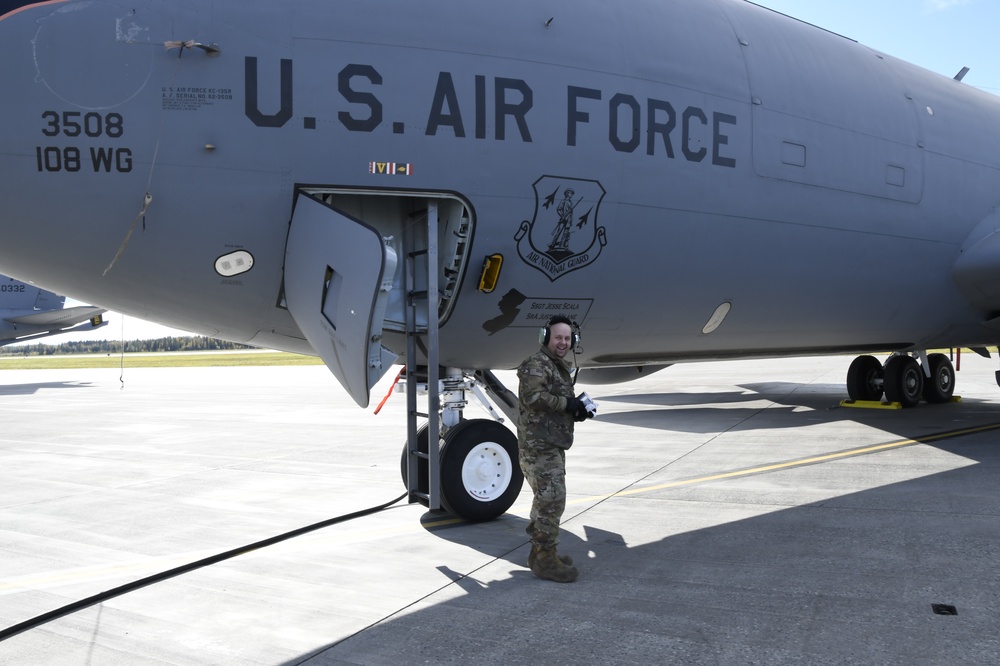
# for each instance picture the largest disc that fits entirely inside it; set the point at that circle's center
(536, 372)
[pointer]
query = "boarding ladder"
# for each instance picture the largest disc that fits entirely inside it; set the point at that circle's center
(422, 295)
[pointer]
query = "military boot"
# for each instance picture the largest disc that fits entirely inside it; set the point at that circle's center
(547, 565)
(565, 559)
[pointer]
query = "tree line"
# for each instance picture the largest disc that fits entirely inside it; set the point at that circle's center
(167, 344)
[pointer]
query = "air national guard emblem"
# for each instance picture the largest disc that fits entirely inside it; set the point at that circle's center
(563, 234)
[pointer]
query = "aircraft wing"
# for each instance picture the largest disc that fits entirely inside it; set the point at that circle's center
(58, 318)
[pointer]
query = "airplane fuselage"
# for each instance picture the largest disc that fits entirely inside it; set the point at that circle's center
(689, 180)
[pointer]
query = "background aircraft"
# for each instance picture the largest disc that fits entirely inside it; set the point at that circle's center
(28, 312)
(430, 182)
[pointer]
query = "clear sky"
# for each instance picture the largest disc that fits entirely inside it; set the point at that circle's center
(940, 35)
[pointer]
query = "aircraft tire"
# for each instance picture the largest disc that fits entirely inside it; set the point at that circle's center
(904, 380)
(941, 384)
(480, 473)
(864, 379)
(422, 479)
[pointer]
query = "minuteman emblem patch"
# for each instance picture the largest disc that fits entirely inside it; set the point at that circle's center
(563, 235)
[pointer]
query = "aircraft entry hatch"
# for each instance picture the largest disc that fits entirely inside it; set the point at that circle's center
(338, 274)
(345, 287)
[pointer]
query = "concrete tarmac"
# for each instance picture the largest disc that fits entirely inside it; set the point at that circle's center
(720, 513)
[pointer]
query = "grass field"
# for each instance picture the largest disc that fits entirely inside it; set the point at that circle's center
(164, 360)
(174, 360)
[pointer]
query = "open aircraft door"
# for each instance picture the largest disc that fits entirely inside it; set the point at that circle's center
(338, 275)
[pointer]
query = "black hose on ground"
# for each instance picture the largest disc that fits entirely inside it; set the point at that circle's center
(68, 609)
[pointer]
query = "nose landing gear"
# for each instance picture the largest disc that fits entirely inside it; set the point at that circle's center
(477, 476)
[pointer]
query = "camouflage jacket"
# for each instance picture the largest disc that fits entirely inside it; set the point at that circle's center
(544, 386)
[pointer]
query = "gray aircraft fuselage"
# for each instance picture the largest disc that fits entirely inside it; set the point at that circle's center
(692, 179)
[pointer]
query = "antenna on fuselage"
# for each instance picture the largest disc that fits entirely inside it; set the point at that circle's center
(212, 50)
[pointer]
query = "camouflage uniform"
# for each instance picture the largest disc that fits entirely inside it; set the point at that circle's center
(544, 433)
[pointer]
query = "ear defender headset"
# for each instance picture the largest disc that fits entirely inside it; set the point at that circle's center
(545, 334)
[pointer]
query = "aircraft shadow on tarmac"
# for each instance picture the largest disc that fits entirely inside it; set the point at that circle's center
(845, 579)
(779, 405)
(788, 570)
(33, 388)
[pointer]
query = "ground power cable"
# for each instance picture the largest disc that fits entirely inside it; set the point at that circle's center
(68, 609)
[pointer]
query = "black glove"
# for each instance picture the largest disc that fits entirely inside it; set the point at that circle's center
(575, 407)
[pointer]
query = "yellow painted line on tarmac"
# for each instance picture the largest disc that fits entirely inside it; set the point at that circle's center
(865, 450)
(43, 580)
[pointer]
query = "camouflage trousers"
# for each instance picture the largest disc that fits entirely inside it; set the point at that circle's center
(545, 471)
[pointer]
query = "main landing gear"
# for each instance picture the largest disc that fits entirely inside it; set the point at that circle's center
(902, 379)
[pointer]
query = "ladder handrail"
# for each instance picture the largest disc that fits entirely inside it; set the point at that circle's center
(430, 298)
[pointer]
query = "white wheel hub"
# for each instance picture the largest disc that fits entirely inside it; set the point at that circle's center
(487, 471)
